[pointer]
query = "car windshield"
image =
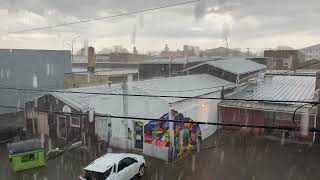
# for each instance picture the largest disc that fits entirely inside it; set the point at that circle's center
(91, 175)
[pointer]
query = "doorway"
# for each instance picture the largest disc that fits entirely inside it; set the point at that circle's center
(138, 138)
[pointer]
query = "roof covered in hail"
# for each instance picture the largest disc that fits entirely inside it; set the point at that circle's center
(276, 88)
(237, 66)
(234, 65)
(186, 86)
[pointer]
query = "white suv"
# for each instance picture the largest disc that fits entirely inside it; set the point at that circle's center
(115, 167)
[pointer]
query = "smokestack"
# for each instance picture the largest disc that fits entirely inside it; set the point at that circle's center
(91, 59)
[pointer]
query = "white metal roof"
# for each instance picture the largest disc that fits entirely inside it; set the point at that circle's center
(237, 66)
(105, 71)
(187, 86)
(277, 88)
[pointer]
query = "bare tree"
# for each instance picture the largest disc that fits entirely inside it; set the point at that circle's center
(226, 35)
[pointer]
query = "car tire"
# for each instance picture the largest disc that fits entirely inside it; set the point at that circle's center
(141, 170)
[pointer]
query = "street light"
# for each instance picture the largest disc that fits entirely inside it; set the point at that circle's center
(73, 40)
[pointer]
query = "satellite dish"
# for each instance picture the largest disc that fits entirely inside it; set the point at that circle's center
(66, 109)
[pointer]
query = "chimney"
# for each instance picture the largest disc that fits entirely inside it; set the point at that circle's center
(91, 60)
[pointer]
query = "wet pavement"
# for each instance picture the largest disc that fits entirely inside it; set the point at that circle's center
(223, 156)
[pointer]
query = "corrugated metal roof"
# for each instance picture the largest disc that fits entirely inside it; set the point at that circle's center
(105, 71)
(189, 86)
(237, 66)
(282, 88)
(277, 88)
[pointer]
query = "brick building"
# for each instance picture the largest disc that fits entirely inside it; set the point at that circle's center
(284, 59)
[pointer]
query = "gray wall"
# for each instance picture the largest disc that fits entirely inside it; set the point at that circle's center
(18, 66)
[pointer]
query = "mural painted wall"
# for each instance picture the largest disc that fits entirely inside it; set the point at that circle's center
(186, 134)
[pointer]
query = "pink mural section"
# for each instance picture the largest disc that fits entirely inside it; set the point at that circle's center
(186, 133)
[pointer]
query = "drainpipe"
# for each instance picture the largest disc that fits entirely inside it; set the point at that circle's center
(125, 109)
(171, 131)
(238, 80)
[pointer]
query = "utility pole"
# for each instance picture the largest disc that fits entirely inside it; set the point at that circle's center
(171, 132)
(170, 67)
(72, 43)
(125, 107)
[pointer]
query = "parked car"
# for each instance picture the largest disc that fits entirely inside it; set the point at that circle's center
(113, 166)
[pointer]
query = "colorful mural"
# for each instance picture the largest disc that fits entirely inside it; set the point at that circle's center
(185, 134)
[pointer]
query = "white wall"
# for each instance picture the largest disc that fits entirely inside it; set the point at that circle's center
(201, 111)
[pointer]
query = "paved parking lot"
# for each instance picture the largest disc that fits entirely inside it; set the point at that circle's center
(224, 156)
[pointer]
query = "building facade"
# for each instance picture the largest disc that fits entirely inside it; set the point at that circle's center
(312, 52)
(23, 68)
(277, 114)
(284, 59)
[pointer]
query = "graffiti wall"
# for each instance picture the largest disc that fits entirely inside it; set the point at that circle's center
(185, 133)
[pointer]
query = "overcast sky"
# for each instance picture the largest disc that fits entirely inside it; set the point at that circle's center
(252, 23)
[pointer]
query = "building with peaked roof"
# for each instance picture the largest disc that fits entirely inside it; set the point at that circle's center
(124, 133)
(276, 88)
(235, 70)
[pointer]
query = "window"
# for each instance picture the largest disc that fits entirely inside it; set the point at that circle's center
(285, 63)
(274, 64)
(75, 122)
(125, 163)
(62, 127)
(28, 157)
(2, 73)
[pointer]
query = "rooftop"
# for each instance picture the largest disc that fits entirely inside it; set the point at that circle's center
(237, 66)
(104, 71)
(276, 88)
(234, 65)
(187, 86)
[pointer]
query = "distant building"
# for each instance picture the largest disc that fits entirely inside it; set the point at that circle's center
(187, 51)
(236, 70)
(284, 59)
(112, 57)
(167, 67)
(26, 68)
(312, 52)
(293, 87)
(221, 52)
(90, 75)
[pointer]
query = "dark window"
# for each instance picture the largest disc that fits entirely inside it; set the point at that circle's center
(28, 157)
(90, 175)
(125, 163)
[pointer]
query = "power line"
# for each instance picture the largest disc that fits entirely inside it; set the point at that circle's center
(288, 128)
(106, 17)
(161, 96)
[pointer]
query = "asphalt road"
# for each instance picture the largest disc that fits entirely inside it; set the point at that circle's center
(225, 156)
